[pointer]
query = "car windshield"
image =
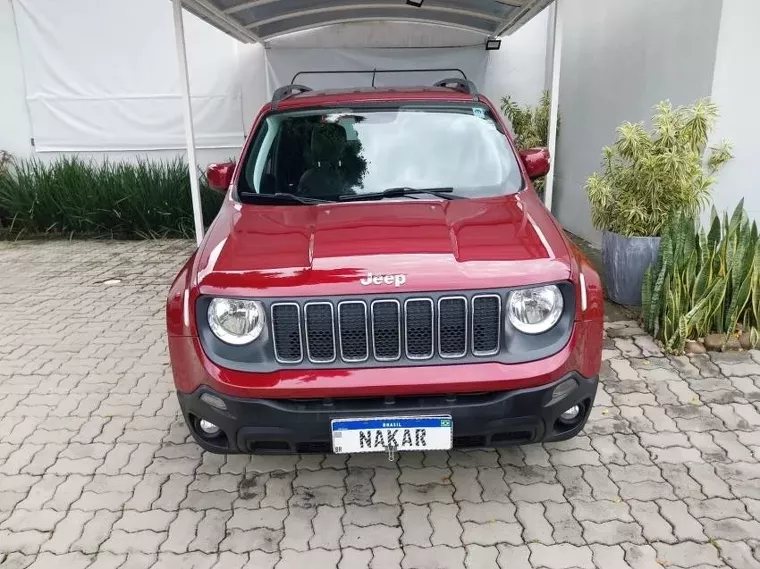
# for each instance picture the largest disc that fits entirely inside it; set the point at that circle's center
(326, 154)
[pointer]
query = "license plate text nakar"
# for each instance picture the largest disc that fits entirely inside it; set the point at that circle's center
(398, 433)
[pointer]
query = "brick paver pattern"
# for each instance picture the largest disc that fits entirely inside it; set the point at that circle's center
(97, 469)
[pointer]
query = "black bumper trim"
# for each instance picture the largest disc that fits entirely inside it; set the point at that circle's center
(303, 425)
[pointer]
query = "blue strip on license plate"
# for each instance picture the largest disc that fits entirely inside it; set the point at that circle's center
(410, 423)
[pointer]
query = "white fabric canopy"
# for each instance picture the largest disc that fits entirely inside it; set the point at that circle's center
(262, 20)
(89, 89)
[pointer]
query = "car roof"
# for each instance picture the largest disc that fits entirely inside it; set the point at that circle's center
(331, 97)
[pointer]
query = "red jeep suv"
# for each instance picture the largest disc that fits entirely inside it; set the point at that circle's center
(382, 277)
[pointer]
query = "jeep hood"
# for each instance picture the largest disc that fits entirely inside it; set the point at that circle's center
(328, 249)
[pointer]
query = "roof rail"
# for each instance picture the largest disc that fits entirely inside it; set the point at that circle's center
(378, 71)
(458, 84)
(286, 91)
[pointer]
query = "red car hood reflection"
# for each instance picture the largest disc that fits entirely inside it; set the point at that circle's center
(329, 249)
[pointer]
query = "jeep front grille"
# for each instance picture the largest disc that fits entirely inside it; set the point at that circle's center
(386, 329)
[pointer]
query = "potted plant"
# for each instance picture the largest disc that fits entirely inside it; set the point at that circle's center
(647, 177)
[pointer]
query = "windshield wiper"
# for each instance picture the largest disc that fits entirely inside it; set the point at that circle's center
(445, 193)
(281, 198)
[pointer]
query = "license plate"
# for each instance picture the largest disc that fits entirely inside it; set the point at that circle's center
(399, 433)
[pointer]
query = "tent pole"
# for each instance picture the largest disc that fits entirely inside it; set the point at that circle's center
(554, 108)
(195, 191)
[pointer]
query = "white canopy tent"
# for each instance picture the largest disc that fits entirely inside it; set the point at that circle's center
(259, 21)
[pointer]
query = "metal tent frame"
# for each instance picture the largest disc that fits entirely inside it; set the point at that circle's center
(252, 21)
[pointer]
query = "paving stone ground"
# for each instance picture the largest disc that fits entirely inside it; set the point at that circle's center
(97, 469)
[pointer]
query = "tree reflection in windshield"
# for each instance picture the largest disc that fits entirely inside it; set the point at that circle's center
(331, 157)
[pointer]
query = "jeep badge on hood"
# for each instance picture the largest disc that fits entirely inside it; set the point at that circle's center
(395, 280)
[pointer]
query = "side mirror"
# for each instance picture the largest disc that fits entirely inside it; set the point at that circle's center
(536, 161)
(219, 176)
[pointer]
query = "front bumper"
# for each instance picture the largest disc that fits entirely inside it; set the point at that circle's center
(192, 370)
(487, 419)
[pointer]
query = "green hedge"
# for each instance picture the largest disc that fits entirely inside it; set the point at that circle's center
(76, 198)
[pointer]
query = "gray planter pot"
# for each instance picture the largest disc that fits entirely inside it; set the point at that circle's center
(625, 259)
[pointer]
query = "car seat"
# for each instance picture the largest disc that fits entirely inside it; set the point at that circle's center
(324, 179)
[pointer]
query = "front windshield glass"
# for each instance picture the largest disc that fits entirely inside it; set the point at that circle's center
(326, 154)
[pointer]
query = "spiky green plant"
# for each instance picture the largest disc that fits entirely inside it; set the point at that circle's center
(704, 281)
(78, 198)
(530, 125)
(649, 176)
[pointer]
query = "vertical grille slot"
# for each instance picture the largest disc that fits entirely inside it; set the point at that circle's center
(352, 331)
(418, 313)
(286, 332)
(486, 324)
(320, 332)
(386, 330)
(452, 327)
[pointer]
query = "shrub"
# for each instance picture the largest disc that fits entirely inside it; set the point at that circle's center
(100, 199)
(704, 282)
(530, 125)
(648, 176)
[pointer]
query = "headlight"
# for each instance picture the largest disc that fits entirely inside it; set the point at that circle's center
(236, 321)
(535, 310)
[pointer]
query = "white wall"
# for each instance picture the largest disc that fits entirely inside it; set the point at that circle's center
(620, 58)
(736, 89)
(15, 129)
(519, 67)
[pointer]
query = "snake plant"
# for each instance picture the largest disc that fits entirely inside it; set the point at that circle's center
(704, 281)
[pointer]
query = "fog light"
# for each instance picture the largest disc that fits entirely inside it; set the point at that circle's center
(571, 414)
(214, 401)
(208, 428)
